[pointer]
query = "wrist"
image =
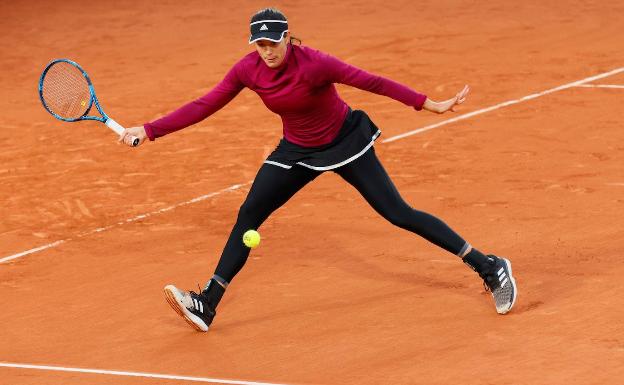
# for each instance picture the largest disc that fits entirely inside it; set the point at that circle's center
(431, 106)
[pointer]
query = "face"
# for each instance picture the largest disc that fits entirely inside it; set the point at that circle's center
(271, 52)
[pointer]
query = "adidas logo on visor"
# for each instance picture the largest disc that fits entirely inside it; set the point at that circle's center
(272, 30)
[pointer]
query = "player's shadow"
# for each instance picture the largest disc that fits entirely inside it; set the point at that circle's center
(415, 274)
(362, 266)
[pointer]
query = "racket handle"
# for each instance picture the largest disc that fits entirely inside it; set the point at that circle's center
(118, 128)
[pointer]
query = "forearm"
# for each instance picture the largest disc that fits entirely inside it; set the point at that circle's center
(337, 71)
(184, 116)
(198, 109)
(192, 112)
(389, 88)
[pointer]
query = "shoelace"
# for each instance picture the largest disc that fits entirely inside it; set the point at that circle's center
(205, 302)
(198, 294)
(188, 298)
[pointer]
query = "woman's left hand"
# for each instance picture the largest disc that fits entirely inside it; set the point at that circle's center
(460, 97)
(447, 105)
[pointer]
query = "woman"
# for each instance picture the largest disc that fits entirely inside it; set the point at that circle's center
(321, 133)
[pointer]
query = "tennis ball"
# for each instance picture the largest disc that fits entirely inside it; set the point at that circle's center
(251, 238)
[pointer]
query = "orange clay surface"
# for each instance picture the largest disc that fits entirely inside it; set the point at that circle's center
(334, 294)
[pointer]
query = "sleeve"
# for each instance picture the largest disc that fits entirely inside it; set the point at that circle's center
(338, 71)
(198, 109)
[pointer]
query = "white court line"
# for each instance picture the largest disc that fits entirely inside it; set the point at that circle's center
(133, 374)
(504, 104)
(130, 220)
(391, 139)
(601, 86)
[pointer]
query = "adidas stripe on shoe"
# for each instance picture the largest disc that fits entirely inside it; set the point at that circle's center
(193, 307)
(499, 281)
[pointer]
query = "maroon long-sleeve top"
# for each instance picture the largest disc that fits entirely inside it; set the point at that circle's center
(301, 91)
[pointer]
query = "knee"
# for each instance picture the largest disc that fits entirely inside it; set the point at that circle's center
(247, 209)
(399, 215)
(251, 211)
(399, 219)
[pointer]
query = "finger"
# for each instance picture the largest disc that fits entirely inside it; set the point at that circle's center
(461, 97)
(122, 136)
(466, 90)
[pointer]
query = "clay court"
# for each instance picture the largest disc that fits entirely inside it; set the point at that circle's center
(530, 168)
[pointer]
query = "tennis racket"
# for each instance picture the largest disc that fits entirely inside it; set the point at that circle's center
(67, 93)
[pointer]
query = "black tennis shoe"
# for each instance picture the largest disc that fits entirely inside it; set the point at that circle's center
(498, 280)
(194, 308)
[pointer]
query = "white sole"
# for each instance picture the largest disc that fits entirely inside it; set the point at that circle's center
(513, 284)
(174, 298)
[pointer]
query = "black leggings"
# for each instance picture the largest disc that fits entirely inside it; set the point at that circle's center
(274, 186)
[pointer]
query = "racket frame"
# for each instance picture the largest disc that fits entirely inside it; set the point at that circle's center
(110, 123)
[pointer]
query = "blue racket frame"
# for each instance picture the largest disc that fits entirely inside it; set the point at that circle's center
(92, 101)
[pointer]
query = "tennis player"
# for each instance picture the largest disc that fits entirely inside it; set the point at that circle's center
(320, 133)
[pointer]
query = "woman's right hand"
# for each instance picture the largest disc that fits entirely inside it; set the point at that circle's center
(128, 133)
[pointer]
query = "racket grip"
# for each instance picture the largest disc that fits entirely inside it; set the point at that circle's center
(118, 128)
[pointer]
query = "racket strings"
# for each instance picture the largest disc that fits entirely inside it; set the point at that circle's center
(66, 91)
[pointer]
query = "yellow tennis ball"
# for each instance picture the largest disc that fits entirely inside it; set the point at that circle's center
(251, 238)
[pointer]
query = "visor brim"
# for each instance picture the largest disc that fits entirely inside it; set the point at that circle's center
(275, 37)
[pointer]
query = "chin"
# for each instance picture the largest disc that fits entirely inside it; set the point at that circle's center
(272, 64)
